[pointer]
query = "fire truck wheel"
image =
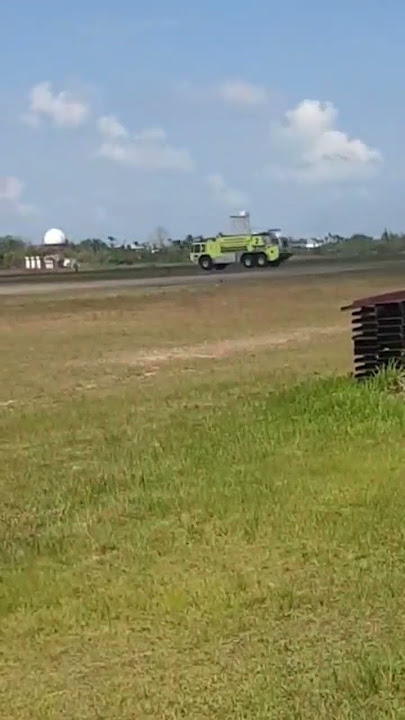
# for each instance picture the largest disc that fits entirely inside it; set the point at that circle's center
(205, 262)
(261, 260)
(248, 260)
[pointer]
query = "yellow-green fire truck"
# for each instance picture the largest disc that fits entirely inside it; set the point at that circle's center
(252, 250)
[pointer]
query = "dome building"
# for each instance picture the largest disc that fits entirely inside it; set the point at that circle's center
(51, 255)
(54, 238)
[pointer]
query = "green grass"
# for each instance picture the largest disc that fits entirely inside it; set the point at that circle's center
(215, 551)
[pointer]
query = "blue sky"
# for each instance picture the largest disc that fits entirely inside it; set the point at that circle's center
(117, 117)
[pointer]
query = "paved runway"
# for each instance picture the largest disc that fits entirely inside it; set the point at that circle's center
(289, 270)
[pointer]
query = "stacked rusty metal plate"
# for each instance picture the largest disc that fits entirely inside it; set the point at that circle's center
(378, 325)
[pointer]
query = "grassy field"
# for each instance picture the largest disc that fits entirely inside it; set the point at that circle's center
(201, 513)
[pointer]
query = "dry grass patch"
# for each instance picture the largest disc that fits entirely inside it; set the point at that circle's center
(61, 345)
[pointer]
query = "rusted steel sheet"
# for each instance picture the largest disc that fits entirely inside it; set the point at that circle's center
(378, 325)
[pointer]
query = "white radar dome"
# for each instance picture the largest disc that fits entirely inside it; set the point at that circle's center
(54, 237)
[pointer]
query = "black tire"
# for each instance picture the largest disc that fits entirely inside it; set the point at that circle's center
(220, 266)
(274, 263)
(205, 262)
(248, 261)
(261, 260)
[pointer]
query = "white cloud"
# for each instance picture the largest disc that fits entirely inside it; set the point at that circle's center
(111, 128)
(11, 190)
(146, 149)
(237, 94)
(225, 194)
(242, 94)
(151, 134)
(311, 149)
(62, 108)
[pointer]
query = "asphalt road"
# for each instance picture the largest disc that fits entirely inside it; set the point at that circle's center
(284, 271)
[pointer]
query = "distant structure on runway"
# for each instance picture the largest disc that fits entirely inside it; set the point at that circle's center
(50, 255)
(240, 223)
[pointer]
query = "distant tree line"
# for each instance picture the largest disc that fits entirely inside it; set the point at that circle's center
(160, 248)
(359, 245)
